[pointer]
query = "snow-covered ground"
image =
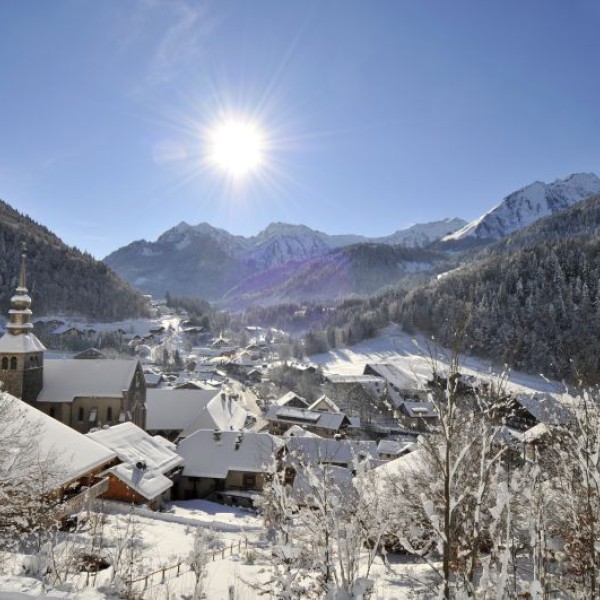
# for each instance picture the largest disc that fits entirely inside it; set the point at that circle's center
(417, 356)
(163, 539)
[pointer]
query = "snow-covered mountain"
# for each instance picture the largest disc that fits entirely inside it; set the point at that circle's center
(523, 207)
(206, 261)
(421, 234)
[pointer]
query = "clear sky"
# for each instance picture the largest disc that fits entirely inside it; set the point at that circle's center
(375, 114)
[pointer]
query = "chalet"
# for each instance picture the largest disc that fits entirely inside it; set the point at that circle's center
(174, 413)
(90, 353)
(316, 450)
(392, 449)
(79, 393)
(79, 461)
(152, 379)
(324, 403)
(524, 411)
(293, 400)
(326, 424)
(147, 466)
(394, 376)
(226, 465)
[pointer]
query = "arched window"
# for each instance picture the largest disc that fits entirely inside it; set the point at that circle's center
(5, 363)
(109, 414)
(13, 363)
(80, 414)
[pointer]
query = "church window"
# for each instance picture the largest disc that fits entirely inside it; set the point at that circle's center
(80, 414)
(5, 363)
(109, 414)
(13, 363)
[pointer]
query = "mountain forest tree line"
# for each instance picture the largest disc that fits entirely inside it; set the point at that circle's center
(61, 279)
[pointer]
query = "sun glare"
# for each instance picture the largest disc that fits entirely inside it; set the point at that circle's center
(236, 147)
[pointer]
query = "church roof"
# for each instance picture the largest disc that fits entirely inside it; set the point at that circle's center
(67, 379)
(18, 344)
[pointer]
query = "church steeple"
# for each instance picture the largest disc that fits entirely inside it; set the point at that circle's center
(20, 312)
(21, 353)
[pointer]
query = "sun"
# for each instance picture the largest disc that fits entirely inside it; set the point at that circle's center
(237, 147)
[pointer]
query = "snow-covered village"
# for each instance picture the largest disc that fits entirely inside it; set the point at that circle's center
(299, 300)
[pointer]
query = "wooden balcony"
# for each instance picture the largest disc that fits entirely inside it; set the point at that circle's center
(75, 501)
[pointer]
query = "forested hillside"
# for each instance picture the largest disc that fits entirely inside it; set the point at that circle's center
(531, 301)
(60, 279)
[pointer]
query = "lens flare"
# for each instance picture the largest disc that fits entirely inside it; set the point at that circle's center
(237, 147)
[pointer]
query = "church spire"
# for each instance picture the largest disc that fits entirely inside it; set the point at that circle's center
(20, 313)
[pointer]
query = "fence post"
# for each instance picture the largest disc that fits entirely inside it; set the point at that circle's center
(223, 553)
(178, 565)
(231, 549)
(163, 575)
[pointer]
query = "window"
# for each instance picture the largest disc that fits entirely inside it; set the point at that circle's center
(80, 414)
(13, 363)
(249, 480)
(5, 363)
(52, 411)
(109, 414)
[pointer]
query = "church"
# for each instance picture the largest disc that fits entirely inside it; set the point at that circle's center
(80, 393)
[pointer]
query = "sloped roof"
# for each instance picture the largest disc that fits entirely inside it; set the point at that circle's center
(174, 410)
(73, 453)
(311, 450)
(23, 342)
(147, 483)
(66, 379)
(284, 400)
(132, 444)
(423, 410)
(396, 447)
(545, 408)
(221, 413)
(207, 456)
(394, 375)
(327, 401)
(313, 418)
(90, 353)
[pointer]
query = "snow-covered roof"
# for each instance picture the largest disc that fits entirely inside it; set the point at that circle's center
(312, 450)
(72, 452)
(289, 397)
(413, 462)
(362, 379)
(66, 379)
(23, 342)
(324, 401)
(303, 486)
(132, 444)
(422, 410)
(395, 447)
(393, 374)
(147, 483)
(208, 454)
(545, 408)
(174, 410)
(222, 412)
(297, 431)
(312, 418)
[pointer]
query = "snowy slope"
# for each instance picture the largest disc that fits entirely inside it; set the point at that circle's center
(523, 207)
(422, 234)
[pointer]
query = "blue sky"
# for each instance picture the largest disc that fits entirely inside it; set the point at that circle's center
(376, 114)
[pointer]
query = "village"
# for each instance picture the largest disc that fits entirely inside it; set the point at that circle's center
(193, 442)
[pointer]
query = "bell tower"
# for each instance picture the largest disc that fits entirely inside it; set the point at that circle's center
(21, 353)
